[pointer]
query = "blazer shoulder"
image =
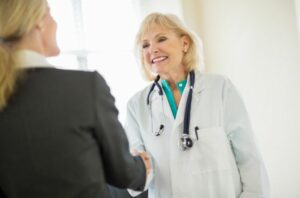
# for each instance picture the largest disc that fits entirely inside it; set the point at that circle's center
(64, 74)
(69, 72)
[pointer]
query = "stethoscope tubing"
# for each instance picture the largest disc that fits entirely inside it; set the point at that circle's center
(186, 125)
(187, 113)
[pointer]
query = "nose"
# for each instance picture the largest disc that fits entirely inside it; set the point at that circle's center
(153, 49)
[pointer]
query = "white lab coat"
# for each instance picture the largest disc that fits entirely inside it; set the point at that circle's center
(223, 163)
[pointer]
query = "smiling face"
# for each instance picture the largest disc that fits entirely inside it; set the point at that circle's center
(163, 50)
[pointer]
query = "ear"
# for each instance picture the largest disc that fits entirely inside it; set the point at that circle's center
(186, 43)
(40, 25)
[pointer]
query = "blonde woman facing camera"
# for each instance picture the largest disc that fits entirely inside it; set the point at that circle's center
(59, 132)
(194, 125)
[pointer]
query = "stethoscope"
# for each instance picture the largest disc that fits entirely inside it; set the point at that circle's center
(185, 141)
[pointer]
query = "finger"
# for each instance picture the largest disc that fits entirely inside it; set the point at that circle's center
(134, 152)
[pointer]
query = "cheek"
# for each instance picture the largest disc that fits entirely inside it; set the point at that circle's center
(53, 26)
(146, 57)
(176, 51)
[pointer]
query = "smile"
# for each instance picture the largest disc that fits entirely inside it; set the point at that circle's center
(159, 59)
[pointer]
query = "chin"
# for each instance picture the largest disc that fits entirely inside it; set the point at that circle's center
(53, 52)
(157, 70)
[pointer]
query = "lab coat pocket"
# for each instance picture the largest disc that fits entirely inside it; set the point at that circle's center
(210, 151)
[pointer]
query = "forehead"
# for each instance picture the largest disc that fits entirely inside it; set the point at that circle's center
(153, 30)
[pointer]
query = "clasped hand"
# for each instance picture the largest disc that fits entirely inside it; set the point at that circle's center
(146, 159)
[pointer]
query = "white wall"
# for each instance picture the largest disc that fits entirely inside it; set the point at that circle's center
(256, 44)
(165, 6)
(297, 5)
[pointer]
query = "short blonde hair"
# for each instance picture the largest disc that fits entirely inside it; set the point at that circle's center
(191, 60)
(17, 18)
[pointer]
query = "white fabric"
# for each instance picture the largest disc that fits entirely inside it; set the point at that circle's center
(223, 163)
(31, 59)
(148, 182)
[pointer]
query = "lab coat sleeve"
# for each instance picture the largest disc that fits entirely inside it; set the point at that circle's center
(132, 128)
(136, 141)
(253, 174)
(121, 168)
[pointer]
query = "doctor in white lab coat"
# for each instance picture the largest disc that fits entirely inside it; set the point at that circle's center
(223, 160)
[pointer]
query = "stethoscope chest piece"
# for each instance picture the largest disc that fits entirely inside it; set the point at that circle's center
(185, 142)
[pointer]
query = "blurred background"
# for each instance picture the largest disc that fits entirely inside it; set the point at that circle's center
(256, 43)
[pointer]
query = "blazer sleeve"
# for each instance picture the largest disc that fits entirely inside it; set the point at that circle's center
(121, 168)
(253, 174)
(2, 194)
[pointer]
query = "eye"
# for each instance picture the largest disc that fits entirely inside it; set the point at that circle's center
(162, 39)
(145, 45)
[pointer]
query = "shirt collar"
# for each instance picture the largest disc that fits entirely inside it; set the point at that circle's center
(180, 85)
(31, 59)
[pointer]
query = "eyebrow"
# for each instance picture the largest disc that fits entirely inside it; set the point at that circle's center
(157, 35)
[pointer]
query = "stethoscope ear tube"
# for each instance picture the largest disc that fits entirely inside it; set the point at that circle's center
(160, 130)
(152, 88)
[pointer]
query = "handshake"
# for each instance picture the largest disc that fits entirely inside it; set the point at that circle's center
(146, 159)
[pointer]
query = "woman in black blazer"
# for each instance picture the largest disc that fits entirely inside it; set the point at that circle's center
(59, 130)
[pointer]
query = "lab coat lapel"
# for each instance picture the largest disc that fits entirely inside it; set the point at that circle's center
(198, 88)
(181, 108)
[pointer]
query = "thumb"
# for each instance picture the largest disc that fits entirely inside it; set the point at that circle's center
(134, 152)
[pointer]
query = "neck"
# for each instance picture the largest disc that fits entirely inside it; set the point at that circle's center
(31, 41)
(174, 77)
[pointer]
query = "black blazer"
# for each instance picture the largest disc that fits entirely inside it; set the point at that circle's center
(60, 138)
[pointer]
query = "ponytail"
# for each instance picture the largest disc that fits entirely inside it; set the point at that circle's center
(17, 18)
(8, 75)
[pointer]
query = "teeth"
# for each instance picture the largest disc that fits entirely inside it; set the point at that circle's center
(155, 60)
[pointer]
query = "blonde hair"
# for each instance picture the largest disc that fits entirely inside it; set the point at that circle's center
(17, 18)
(192, 59)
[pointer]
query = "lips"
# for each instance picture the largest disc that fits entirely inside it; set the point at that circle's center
(158, 59)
